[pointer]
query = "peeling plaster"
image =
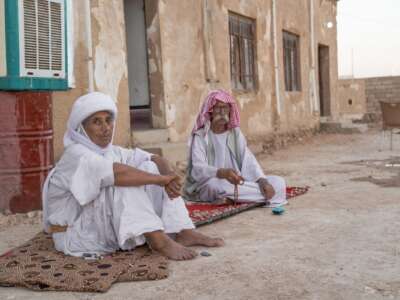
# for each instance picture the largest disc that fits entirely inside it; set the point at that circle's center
(243, 100)
(183, 60)
(268, 26)
(170, 113)
(224, 9)
(161, 7)
(257, 123)
(152, 66)
(153, 28)
(260, 72)
(110, 58)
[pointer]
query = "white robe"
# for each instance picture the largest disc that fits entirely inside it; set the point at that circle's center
(101, 217)
(212, 188)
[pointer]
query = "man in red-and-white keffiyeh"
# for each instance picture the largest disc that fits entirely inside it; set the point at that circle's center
(220, 161)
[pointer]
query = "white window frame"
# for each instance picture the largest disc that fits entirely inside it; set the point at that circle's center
(70, 44)
(28, 72)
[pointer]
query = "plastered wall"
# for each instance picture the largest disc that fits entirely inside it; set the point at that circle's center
(109, 66)
(351, 97)
(195, 61)
(188, 55)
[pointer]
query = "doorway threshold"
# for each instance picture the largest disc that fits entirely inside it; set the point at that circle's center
(140, 118)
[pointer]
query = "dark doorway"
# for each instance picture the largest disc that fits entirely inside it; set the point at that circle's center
(137, 60)
(324, 81)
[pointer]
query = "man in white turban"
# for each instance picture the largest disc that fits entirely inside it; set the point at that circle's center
(100, 198)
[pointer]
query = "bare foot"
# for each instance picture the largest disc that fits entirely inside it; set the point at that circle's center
(190, 237)
(163, 244)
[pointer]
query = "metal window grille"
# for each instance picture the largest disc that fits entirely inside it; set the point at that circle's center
(242, 52)
(291, 60)
(42, 41)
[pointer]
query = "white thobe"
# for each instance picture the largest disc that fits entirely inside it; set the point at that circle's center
(101, 217)
(212, 188)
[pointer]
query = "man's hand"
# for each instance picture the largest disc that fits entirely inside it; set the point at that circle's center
(172, 184)
(173, 188)
(164, 180)
(266, 188)
(231, 175)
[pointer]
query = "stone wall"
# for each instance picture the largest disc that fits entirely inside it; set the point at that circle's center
(381, 89)
(351, 98)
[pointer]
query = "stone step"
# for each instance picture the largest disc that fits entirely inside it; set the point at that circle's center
(346, 126)
(143, 137)
(325, 119)
(173, 152)
(362, 128)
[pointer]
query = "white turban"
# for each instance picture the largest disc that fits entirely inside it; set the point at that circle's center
(82, 108)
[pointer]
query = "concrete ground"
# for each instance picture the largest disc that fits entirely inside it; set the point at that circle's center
(339, 241)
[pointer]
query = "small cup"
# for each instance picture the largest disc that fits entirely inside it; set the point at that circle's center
(278, 210)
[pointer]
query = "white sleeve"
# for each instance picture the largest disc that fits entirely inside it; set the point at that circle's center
(251, 169)
(201, 170)
(93, 173)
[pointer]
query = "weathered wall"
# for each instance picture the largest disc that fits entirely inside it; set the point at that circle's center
(351, 97)
(154, 50)
(186, 61)
(294, 16)
(381, 89)
(182, 63)
(109, 60)
(325, 13)
(195, 61)
(258, 107)
(2, 40)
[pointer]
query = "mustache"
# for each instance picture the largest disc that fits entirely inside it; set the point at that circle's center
(224, 117)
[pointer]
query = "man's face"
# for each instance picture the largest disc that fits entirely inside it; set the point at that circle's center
(99, 127)
(220, 113)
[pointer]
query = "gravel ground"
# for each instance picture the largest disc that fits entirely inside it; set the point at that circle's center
(339, 241)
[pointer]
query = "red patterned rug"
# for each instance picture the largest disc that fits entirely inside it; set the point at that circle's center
(205, 213)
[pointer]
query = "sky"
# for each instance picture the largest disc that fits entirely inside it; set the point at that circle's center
(368, 38)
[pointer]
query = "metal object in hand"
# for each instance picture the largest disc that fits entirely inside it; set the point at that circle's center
(236, 193)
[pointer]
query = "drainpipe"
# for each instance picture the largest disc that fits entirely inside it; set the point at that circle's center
(209, 59)
(313, 97)
(89, 45)
(276, 61)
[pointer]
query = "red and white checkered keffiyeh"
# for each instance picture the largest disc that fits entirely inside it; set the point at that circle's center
(210, 101)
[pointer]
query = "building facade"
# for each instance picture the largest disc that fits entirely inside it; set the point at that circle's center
(158, 59)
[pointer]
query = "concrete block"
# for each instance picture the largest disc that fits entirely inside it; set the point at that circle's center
(173, 152)
(150, 136)
(343, 126)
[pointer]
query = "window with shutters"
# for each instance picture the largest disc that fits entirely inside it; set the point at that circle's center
(35, 41)
(291, 61)
(242, 52)
(42, 38)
